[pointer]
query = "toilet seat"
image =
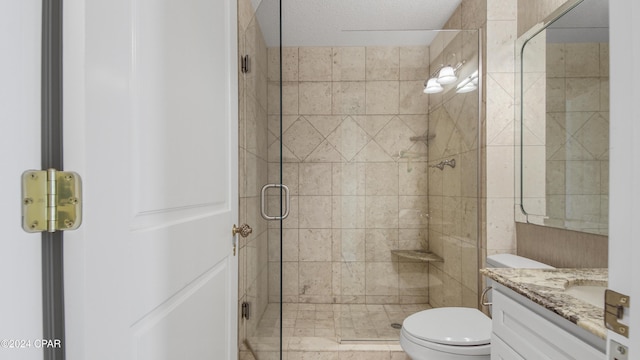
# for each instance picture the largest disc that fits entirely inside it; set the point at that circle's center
(455, 330)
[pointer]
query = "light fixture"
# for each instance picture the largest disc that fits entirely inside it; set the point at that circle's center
(470, 83)
(447, 75)
(432, 86)
(469, 87)
(444, 75)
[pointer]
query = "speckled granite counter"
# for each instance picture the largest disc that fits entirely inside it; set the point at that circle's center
(546, 287)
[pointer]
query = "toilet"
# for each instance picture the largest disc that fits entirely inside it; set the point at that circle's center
(456, 333)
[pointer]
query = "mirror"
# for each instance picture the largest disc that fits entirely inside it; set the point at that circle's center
(563, 83)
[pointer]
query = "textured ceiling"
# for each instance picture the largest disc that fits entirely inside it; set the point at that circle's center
(353, 22)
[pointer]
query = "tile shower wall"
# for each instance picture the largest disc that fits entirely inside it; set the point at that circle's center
(532, 12)
(348, 114)
(252, 162)
(453, 192)
(498, 21)
(577, 146)
(500, 31)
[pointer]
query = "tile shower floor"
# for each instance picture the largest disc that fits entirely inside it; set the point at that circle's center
(332, 328)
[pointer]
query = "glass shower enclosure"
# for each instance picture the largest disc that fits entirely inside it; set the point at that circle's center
(384, 206)
(260, 271)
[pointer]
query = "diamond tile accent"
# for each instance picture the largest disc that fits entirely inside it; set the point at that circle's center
(467, 121)
(594, 136)
(418, 123)
(455, 143)
(287, 155)
(325, 152)
(372, 124)
(394, 138)
(302, 138)
(575, 121)
(572, 150)
(348, 138)
(441, 125)
(324, 124)
(270, 138)
(274, 152)
(556, 133)
(372, 152)
(274, 123)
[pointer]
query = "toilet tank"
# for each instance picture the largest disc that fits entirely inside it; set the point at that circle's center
(514, 261)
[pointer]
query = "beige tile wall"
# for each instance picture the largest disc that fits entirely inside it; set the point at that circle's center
(252, 251)
(499, 126)
(453, 192)
(532, 12)
(348, 114)
(498, 21)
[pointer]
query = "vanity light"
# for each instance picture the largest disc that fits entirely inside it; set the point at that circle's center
(432, 87)
(469, 87)
(469, 84)
(447, 75)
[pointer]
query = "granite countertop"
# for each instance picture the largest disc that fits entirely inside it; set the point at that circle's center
(546, 288)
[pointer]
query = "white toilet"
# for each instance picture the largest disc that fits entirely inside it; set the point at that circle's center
(455, 333)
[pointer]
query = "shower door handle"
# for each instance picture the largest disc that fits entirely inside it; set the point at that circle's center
(263, 202)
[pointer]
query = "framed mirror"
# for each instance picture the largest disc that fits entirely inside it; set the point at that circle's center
(563, 108)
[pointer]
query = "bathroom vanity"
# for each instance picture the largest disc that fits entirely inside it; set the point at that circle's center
(548, 314)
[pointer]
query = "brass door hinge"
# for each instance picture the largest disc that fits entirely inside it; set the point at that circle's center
(614, 305)
(51, 200)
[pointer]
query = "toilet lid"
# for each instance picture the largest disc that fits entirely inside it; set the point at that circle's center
(450, 326)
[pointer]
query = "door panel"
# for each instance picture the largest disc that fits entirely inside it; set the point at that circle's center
(152, 271)
(20, 258)
(184, 311)
(176, 74)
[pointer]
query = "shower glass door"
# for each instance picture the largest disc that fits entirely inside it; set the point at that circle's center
(260, 164)
(384, 182)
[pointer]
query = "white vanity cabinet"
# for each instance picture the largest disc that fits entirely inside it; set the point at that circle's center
(523, 329)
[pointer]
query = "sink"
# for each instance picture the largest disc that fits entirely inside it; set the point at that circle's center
(590, 292)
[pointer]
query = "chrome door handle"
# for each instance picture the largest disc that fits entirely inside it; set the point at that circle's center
(263, 203)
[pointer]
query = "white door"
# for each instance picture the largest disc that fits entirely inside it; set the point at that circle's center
(624, 214)
(20, 256)
(151, 125)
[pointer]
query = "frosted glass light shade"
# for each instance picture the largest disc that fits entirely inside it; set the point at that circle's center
(447, 75)
(469, 87)
(432, 87)
(468, 84)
